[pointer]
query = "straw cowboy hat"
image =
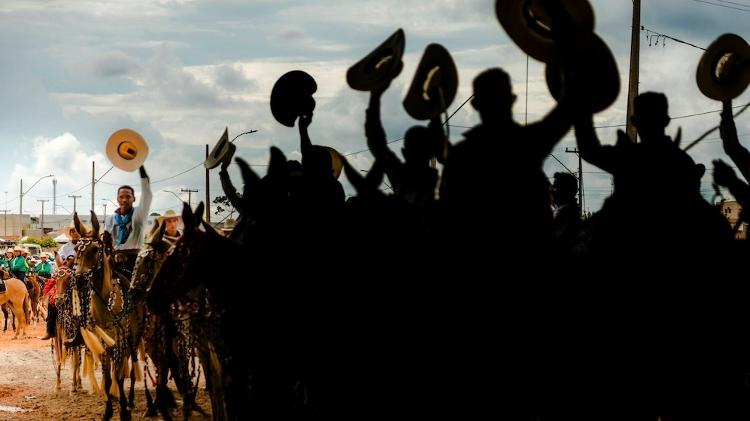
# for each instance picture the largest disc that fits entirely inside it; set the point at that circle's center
(169, 214)
(291, 97)
(221, 153)
(126, 149)
(528, 24)
(379, 67)
(21, 249)
(724, 69)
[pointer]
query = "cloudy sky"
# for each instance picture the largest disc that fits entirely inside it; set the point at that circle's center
(179, 71)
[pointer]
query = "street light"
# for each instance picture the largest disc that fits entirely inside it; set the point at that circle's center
(175, 195)
(20, 202)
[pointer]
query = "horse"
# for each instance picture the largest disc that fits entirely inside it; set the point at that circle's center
(17, 296)
(35, 292)
(192, 287)
(63, 300)
(109, 312)
(166, 341)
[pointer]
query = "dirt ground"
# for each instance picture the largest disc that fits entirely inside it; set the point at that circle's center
(27, 386)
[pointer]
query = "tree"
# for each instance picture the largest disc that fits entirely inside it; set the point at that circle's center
(224, 205)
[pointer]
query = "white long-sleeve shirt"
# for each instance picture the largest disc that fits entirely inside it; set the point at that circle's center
(137, 224)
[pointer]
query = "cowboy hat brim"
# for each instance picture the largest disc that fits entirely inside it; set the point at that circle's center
(422, 105)
(291, 97)
(735, 78)
(222, 152)
(378, 68)
(126, 149)
(528, 23)
(598, 68)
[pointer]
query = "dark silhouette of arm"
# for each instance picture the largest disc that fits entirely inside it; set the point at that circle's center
(729, 139)
(228, 187)
(376, 140)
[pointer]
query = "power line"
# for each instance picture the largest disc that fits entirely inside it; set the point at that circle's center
(738, 4)
(721, 5)
(649, 31)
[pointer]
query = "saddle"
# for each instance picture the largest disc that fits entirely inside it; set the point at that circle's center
(3, 287)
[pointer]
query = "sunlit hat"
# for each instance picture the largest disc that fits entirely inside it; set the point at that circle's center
(378, 68)
(724, 69)
(126, 149)
(169, 214)
(529, 24)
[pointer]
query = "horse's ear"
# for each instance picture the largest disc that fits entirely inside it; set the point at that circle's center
(95, 224)
(211, 231)
(187, 218)
(277, 163)
(159, 234)
(77, 224)
(198, 215)
(249, 177)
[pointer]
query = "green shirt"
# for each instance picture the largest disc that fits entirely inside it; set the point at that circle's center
(44, 268)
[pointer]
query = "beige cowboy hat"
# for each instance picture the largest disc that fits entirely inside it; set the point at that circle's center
(21, 249)
(528, 24)
(724, 69)
(222, 152)
(291, 97)
(169, 214)
(598, 70)
(434, 85)
(127, 150)
(378, 68)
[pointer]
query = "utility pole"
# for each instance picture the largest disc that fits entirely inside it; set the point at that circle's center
(189, 191)
(54, 196)
(74, 197)
(42, 202)
(105, 210)
(5, 221)
(208, 195)
(93, 184)
(635, 51)
(580, 179)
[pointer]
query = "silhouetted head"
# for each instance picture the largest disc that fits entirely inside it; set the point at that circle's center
(493, 95)
(317, 162)
(564, 188)
(418, 144)
(650, 115)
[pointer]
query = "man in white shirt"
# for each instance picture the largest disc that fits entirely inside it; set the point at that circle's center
(125, 228)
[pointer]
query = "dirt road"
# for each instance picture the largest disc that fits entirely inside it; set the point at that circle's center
(27, 385)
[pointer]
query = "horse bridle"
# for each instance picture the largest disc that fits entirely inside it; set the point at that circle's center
(88, 276)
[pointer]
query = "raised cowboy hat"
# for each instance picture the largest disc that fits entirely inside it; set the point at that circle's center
(598, 70)
(379, 67)
(724, 69)
(291, 97)
(434, 85)
(222, 152)
(528, 24)
(126, 149)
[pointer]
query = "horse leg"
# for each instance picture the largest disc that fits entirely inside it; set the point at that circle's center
(131, 395)
(75, 363)
(164, 397)
(107, 377)
(124, 410)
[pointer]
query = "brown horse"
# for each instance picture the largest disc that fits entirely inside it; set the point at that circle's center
(35, 293)
(17, 296)
(166, 341)
(109, 313)
(64, 308)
